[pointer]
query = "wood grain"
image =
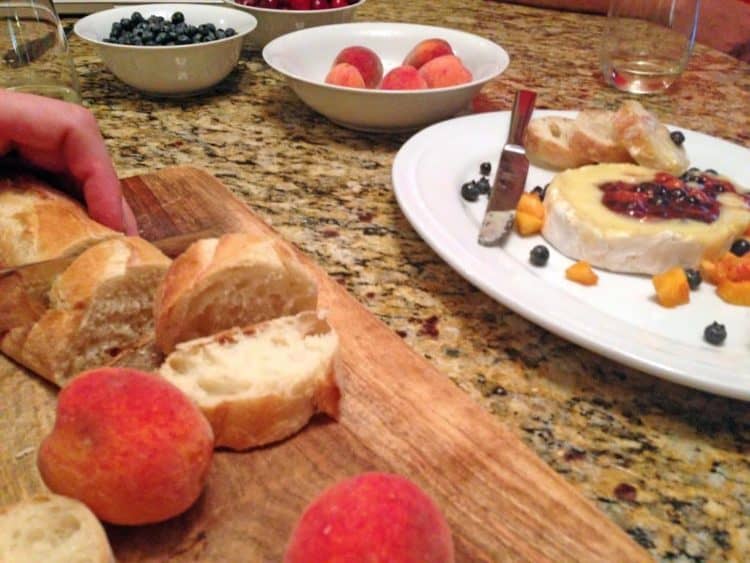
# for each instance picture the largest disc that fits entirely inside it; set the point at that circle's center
(399, 414)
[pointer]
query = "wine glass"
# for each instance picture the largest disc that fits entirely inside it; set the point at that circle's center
(34, 54)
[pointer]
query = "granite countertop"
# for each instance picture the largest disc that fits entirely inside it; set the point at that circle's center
(666, 463)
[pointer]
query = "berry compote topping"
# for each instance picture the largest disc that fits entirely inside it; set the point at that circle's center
(690, 196)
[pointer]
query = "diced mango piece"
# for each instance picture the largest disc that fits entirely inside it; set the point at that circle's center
(527, 224)
(728, 267)
(582, 273)
(672, 288)
(734, 292)
(531, 204)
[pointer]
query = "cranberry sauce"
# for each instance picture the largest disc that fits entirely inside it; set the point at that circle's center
(690, 196)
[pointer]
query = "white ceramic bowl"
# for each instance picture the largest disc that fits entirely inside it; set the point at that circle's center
(177, 70)
(275, 23)
(305, 57)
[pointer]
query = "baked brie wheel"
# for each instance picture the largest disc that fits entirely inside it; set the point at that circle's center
(631, 219)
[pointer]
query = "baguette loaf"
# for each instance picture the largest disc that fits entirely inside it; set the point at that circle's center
(52, 529)
(262, 383)
(236, 280)
(647, 139)
(100, 304)
(38, 223)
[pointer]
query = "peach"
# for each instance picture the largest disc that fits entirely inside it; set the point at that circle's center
(447, 70)
(129, 445)
(426, 50)
(365, 60)
(403, 78)
(376, 517)
(344, 74)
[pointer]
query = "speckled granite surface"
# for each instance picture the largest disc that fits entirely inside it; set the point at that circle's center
(668, 464)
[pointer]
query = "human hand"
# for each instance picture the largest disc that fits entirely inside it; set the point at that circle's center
(64, 138)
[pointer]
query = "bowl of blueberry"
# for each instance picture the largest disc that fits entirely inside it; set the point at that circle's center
(279, 17)
(168, 49)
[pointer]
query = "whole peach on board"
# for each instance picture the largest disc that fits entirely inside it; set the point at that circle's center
(367, 62)
(129, 445)
(426, 50)
(403, 78)
(444, 71)
(374, 517)
(344, 74)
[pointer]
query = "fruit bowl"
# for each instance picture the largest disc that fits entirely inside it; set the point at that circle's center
(169, 70)
(273, 23)
(380, 110)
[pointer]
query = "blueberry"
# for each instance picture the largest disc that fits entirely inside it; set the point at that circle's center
(694, 278)
(229, 32)
(136, 17)
(711, 171)
(539, 255)
(485, 168)
(740, 247)
(677, 137)
(715, 333)
(470, 191)
(178, 17)
(540, 191)
(183, 40)
(484, 185)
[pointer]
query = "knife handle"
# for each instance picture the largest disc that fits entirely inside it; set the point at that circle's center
(523, 107)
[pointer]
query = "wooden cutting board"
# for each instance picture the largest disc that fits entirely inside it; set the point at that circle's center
(399, 414)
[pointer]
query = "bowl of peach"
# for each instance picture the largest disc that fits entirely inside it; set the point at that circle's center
(385, 77)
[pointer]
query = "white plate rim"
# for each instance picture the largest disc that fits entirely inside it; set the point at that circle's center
(669, 360)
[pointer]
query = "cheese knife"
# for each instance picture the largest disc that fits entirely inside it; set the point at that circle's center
(510, 177)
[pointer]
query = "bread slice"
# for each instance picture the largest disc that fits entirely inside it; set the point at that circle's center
(101, 304)
(53, 529)
(594, 138)
(38, 223)
(548, 143)
(261, 383)
(647, 139)
(236, 280)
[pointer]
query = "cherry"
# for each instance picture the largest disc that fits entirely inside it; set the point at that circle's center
(319, 5)
(271, 4)
(300, 4)
(339, 3)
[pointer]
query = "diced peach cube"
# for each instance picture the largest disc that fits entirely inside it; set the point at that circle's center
(531, 204)
(527, 224)
(582, 273)
(672, 288)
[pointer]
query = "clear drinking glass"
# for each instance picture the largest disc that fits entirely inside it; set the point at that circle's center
(34, 54)
(647, 43)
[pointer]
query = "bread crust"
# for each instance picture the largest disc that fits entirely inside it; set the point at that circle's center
(38, 223)
(245, 420)
(242, 264)
(594, 138)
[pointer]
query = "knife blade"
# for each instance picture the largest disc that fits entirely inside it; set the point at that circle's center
(510, 177)
(24, 288)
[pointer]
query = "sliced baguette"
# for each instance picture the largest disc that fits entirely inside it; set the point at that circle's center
(38, 223)
(594, 138)
(647, 139)
(262, 383)
(52, 529)
(236, 280)
(548, 143)
(101, 304)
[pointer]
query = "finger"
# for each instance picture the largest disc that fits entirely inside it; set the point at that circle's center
(131, 225)
(46, 127)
